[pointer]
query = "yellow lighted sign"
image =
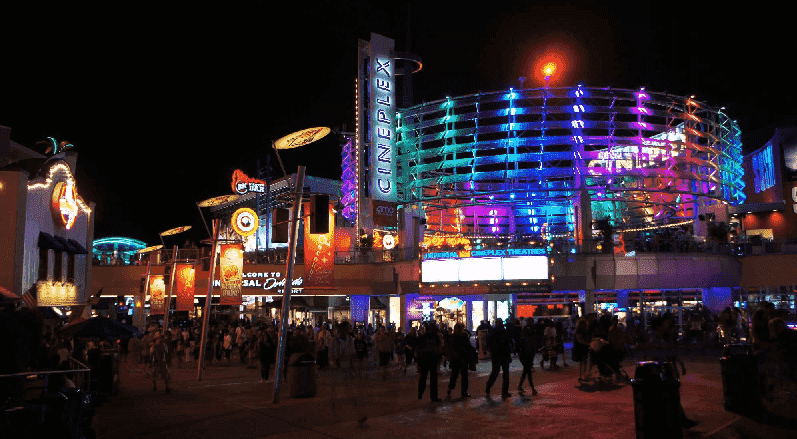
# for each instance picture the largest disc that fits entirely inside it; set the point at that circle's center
(216, 201)
(301, 138)
(175, 230)
(151, 248)
(244, 221)
(64, 203)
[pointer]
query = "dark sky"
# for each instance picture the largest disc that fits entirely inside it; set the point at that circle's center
(164, 102)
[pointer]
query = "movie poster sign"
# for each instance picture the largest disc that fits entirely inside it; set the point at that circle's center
(231, 267)
(790, 160)
(157, 295)
(319, 255)
(184, 287)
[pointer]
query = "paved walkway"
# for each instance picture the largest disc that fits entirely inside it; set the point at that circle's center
(232, 402)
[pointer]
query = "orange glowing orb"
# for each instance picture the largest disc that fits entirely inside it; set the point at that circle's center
(549, 68)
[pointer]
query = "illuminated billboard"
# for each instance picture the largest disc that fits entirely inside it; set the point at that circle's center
(485, 269)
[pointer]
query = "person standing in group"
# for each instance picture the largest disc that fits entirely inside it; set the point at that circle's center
(550, 344)
(500, 355)
(527, 349)
(360, 353)
(400, 345)
(267, 351)
(410, 343)
(581, 342)
(559, 344)
(322, 341)
(461, 352)
(227, 346)
(428, 354)
(384, 349)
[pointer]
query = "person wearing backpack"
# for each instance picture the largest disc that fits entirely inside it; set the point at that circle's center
(428, 355)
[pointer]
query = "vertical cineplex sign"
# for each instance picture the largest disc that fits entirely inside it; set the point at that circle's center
(382, 103)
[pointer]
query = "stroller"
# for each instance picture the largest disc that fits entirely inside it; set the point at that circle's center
(606, 360)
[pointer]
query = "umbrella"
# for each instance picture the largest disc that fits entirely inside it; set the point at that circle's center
(101, 327)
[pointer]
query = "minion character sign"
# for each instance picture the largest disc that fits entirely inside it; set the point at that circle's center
(231, 266)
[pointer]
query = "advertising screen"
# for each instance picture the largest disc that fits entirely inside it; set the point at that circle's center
(441, 270)
(478, 269)
(525, 267)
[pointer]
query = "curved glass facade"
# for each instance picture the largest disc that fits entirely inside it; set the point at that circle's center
(513, 162)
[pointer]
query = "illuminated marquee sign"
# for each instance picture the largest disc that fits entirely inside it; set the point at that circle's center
(64, 203)
(484, 268)
(509, 252)
(242, 183)
(54, 293)
(383, 119)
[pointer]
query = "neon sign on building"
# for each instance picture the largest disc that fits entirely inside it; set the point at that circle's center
(383, 119)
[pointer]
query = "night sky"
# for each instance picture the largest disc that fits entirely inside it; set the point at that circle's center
(162, 102)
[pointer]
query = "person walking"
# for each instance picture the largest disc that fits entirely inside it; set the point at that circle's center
(160, 366)
(384, 349)
(527, 350)
(550, 344)
(461, 352)
(500, 355)
(428, 354)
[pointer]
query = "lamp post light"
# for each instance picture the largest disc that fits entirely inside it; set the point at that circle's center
(143, 298)
(171, 232)
(299, 138)
(214, 239)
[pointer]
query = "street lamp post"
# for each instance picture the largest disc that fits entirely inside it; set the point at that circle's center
(294, 140)
(214, 238)
(170, 232)
(286, 294)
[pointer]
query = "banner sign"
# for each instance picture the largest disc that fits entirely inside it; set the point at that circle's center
(157, 294)
(319, 255)
(184, 286)
(52, 293)
(231, 267)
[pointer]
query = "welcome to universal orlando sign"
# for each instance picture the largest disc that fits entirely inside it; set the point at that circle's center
(268, 281)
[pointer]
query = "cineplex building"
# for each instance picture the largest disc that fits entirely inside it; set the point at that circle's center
(534, 202)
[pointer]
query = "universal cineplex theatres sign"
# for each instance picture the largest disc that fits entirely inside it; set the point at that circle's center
(265, 283)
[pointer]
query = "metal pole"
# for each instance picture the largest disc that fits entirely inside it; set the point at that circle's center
(280, 159)
(205, 223)
(171, 288)
(206, 312)
(140, 319)
(286, 294)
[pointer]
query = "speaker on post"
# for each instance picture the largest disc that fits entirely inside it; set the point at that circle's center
(279, 225)
(319, 214)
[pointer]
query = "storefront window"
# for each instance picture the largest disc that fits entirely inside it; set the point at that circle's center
(476, 314)
(502, 310)
(491, 311)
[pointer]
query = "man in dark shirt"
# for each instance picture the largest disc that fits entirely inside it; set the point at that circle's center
(500, 354)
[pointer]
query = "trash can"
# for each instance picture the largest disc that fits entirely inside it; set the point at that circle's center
(657, 401)
(739, 377)
(301, 375)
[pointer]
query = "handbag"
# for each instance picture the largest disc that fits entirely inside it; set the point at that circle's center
(473, 358)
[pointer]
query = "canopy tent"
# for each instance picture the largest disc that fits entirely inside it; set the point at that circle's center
(101, 327)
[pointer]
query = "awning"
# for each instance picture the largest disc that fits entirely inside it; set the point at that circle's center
(377, 304)
(78, 249)
(48, 241)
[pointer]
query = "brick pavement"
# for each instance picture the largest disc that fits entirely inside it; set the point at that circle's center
(232, 402)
